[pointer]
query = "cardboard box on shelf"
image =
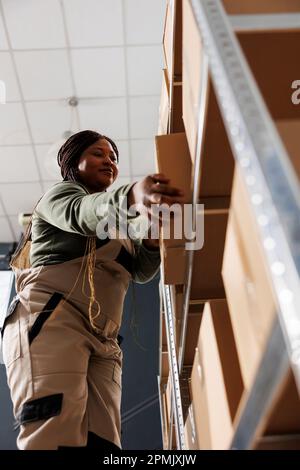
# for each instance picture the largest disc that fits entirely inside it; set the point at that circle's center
(277, 94)
(174, 263)
(177, 298)
(247, 284)
(262, 49)
(217, 163)
(252, 307)
(199, 403)
(237, 7)
(284, 415)
(164, 341)
(176, 105)
(164, 362)
(206, 279)
(216, 382)
(192, 332)
(173, 49)
(279, 442)
(280, 427)
(173, 159)
(216, 151)
(163, 111)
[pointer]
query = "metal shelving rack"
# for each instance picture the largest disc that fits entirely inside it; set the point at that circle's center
(275, 195)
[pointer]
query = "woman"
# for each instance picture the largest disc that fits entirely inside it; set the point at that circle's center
(60, 340)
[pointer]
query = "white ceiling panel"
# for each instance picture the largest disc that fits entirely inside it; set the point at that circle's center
(8, 76)
(13, 128)
(143, 157)
(48, 120)
(20, 197)
(16, 227)
(18, 164)
(94, 22)
(6, 234)
(124, 163)
(3, 39)
(144, 21)
(144, 70)
(47, 161)
(34, 24)
(99, 72)
(107, 116)
(143, 116)
(44, 74)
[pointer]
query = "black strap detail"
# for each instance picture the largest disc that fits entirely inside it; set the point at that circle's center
(125, 259)
(41, 408)
(120, 339)
(44, 315)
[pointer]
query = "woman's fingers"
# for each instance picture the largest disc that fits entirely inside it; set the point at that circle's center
(159, 178)
(159, 198)
(166, 189)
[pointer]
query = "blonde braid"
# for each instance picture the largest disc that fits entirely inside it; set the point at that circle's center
(89, 273)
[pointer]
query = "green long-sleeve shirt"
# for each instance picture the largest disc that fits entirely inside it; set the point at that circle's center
(67, 214)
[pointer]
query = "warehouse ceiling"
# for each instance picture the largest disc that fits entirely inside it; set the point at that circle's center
(108, 54)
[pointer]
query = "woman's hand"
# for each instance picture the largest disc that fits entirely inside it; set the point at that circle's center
(153, 189)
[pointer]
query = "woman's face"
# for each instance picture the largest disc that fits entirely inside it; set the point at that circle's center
(97, 166)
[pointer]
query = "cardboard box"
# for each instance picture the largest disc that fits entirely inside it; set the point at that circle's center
(217, 163)
(192, 333)
(216, 383)
(199, 403)
(164, 362)
(280, 442)
(206, 279)
(174, 262)
(274, 78)
(177, 298)
(163, 112)
(173, 49)
(165, 104)
(247, 283)
(173, 159)
(284, 416)
(280, 427)
(238, 7)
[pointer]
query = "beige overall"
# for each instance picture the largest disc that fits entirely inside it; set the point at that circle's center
(64, 377)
